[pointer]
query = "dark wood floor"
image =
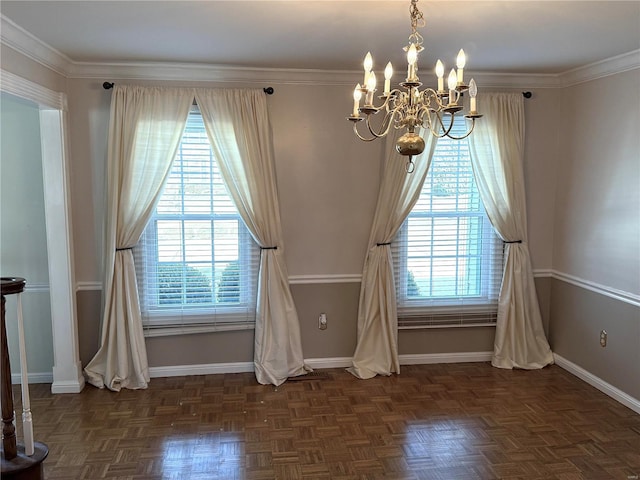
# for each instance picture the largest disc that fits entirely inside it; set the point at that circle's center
(456, 421)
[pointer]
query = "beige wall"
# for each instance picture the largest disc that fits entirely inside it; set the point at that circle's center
(597, 230)
(328, 181)
(597, 227)
(542, 139)
(578, 315)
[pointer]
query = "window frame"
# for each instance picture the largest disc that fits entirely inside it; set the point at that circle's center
(205, 317)
(449, 311)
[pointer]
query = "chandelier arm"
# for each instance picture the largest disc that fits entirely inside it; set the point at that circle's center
(387, 120)
(385, 104)
(392, 100)
(364, 139)
(473, 124)
(445, 131)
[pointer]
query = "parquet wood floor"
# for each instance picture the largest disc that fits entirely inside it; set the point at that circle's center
(432, 422)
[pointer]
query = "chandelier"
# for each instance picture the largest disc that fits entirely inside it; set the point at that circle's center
(411, 108)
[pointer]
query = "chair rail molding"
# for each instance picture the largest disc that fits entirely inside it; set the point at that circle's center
(617, 294)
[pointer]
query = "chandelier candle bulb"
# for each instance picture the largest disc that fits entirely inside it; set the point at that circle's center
(412, 57)
(371, 87)
(452, 81)
(460, 63)
(440, 74)
(357, 95)
(388, 73)
(473, 92)
(368, 65)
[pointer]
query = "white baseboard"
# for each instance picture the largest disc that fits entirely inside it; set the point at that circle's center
(201, 369)
(335, 362)
(315, 363)
(68, 386)
(606, 388)
(429, 358)
(41, 377)
(343, 362)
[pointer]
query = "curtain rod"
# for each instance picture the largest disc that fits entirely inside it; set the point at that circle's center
(270, 90)
(109, 85)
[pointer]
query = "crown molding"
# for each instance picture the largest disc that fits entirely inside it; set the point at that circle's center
(35, 49)
(515, 80)
(209, 73)
(610, 66)
(226, 74)
(17, 38)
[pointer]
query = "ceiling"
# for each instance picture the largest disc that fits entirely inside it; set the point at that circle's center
(538, 37)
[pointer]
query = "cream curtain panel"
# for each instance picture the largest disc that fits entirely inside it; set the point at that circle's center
(497, 148)
(377, 341)
(144, 133)
(238, 127)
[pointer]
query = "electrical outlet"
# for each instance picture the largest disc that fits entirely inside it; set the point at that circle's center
(322, 321)
(603, 338)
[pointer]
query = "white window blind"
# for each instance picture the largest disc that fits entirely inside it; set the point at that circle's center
(196, 263)
(447, 257)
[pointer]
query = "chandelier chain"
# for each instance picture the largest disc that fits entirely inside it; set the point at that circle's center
(417, 21)
(409, 107)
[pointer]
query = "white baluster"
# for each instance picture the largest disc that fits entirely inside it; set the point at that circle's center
(27, 421)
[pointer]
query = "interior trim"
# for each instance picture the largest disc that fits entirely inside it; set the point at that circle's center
(23, 88)
(67, 369)
(611, 292)
(36, 288)
(606, 388)
(16, 37)
(88, 286)
(617, 294)
(35, 49)
(37, 377)
(610, 66)
(316, 363)
(431, 358)
(200, 369)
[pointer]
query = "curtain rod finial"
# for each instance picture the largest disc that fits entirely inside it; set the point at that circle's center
(107, 85)
(268, 90)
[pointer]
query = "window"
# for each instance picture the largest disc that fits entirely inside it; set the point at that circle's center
(196, 263)
(447, 257)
